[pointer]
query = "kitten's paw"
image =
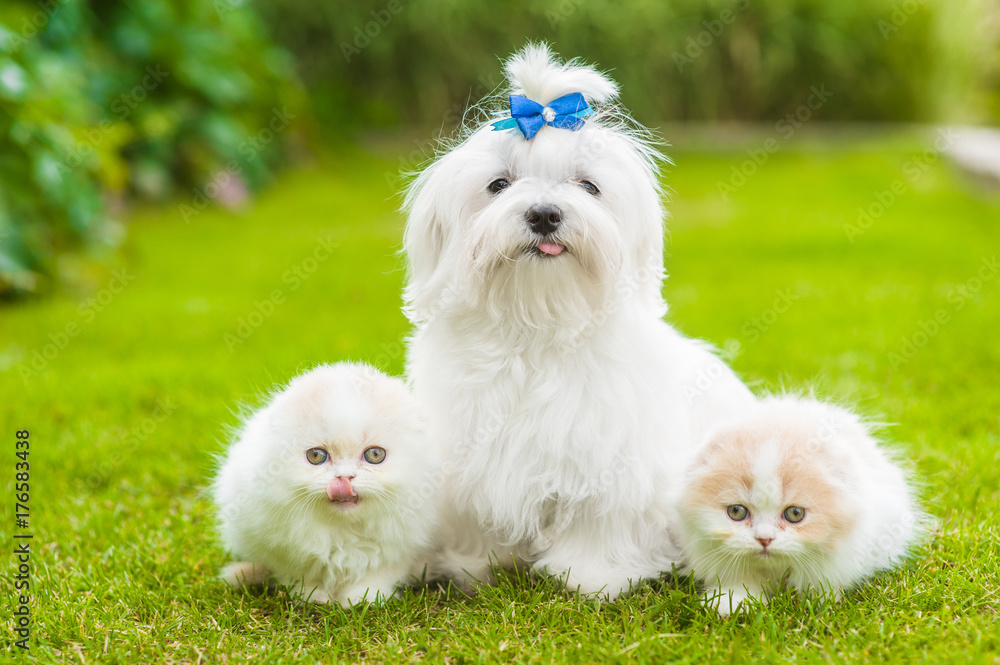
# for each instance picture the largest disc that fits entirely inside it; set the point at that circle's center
(364, 596)
(729, 601)
(718, 601)
(317, 596)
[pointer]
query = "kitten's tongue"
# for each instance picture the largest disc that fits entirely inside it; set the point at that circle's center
(550, 248)
(340, 489)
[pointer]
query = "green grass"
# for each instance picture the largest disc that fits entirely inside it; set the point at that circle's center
(125, 419)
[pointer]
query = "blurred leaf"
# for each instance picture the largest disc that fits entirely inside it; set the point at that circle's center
(13, 81)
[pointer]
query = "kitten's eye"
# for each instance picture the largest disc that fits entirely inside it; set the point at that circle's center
(498, 185)
(375, 455)
(316, 456)
(794, 514)
(737, 513)
(590, 188)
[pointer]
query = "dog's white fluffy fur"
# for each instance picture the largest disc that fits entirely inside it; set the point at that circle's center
(565, 405)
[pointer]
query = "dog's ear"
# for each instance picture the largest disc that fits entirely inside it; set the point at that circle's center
(423, 242)
(535, 73)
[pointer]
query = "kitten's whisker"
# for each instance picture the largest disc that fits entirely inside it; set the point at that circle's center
(717, 559)
(383, 494)
(295, 505)
(731, 562)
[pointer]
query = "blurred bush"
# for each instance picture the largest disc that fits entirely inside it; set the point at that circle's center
(101, 101)
(990, 91)
(386, 62)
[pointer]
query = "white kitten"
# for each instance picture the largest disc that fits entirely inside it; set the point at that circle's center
(798, 494)
(329, 488)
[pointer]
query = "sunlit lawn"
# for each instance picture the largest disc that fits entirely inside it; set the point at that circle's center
(901, 320)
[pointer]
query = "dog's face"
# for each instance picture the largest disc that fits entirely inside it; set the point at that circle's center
(537, 230)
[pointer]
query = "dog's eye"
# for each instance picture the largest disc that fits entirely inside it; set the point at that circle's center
(590, 188)
(499, 185)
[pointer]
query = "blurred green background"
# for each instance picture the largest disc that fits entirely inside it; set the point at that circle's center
(106, 103)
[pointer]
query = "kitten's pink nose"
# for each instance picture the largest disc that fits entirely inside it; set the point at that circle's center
(765, 541)
(339, 489)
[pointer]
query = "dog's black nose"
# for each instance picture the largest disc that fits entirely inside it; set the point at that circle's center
(543, 218)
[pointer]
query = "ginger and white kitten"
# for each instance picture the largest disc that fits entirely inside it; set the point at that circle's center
(329, 488)
(797, 493)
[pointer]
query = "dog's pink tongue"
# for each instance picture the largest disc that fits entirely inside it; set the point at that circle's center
(551, 248)
(340, 489)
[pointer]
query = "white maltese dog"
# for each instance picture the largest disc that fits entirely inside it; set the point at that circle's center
(564, 403)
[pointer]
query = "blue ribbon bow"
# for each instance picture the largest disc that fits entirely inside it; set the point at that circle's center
(529, 116)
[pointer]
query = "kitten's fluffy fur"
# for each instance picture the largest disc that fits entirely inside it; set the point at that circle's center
(565, 403)
(298, 521)
(860, 512)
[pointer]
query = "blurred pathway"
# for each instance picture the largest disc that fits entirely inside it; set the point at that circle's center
(977, 150)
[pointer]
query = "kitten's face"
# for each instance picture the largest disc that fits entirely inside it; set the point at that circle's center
(345, 443)
(766, 499)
